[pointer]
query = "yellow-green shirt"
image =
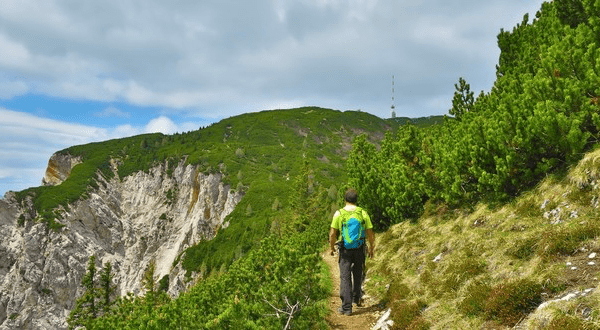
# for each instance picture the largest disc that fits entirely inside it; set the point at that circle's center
(337, 219)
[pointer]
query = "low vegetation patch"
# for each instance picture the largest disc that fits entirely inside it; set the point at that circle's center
(407, 315)
(564, 240)
(474, 299)
(568, 322)
(511, 301)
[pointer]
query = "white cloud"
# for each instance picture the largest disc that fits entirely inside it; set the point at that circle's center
(111, 111)
(12, 88)
(25, 125)
(279, 104)
(5, 173)
(32, 12)
(188, 127)
(13, 54)
(126, 130)
(161, 124)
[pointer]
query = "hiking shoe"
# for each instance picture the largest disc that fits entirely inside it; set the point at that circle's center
(343, 312)
(359, 302)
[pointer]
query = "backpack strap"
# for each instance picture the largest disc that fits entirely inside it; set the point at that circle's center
(343, 222)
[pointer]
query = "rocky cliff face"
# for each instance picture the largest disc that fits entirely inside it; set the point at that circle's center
(147, 217)
(59, 168)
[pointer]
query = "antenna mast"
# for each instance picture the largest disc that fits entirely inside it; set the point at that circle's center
(393, 107)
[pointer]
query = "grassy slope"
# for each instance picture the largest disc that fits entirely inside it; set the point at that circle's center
(495, 266)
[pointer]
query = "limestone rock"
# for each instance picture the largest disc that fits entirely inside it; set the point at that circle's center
(384, 322)
(59, 168)
(130, 222)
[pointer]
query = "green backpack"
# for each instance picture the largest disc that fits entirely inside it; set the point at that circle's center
(353, 228)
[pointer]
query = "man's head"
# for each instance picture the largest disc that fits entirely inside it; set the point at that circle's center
(351, 196)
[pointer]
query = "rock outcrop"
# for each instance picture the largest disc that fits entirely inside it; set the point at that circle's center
(144, 218)
(59, 168)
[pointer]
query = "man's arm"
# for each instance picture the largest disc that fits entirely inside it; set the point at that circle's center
(371, 239)
(333, 235)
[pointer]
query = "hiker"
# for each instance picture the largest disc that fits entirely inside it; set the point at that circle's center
(352, 222)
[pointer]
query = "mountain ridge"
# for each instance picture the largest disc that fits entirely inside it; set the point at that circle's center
(150, 199)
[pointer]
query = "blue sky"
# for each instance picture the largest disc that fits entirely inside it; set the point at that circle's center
(85, 71)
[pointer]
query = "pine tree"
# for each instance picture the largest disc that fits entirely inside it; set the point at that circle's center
(106, 288)
(85, 307)
(96, 299)
(463, 99)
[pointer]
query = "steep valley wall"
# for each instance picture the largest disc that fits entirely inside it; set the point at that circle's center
(130, 223)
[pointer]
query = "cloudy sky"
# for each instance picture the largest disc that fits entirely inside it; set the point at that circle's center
(77, 71)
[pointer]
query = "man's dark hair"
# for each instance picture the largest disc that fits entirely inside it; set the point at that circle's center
(351, 196)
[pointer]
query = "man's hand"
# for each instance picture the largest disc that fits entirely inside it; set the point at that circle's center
(333, 234)
(371, 239)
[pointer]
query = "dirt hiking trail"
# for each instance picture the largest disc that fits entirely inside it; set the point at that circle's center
(362, 318)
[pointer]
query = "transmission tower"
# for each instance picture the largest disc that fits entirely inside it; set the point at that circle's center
(393, 107)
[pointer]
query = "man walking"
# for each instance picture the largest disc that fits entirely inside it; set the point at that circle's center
(353, 223)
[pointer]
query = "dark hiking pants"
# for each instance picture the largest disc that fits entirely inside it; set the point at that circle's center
(351, 271)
